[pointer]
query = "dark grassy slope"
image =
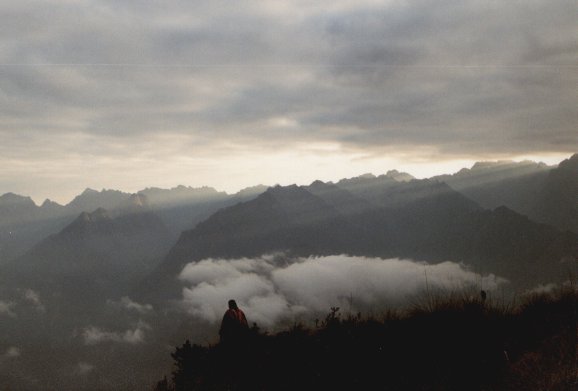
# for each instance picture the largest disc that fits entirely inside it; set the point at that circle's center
(450, 343)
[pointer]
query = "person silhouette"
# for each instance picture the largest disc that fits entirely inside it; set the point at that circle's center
(234, 325)
(238, 360)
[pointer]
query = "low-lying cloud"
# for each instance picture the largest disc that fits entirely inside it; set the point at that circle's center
(6, 308)
(93, 335)
(33, 298)
(127, 304)
(11, 352)
(309, 287)
(83, 368)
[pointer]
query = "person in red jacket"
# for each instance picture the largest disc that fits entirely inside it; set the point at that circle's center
(234, 325)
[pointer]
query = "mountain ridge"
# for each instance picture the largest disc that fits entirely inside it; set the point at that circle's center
(423, 220)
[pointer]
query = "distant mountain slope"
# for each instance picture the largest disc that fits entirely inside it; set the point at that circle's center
(94, 257)
(504, 183)
(24, 224)
(91, 200)
(423, 220)
(282, 218)
(557, 202)
(181, 208)
(543, 193)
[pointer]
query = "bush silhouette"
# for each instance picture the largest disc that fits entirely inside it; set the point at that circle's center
(456, 343)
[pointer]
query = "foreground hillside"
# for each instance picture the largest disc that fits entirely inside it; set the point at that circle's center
(450, 342)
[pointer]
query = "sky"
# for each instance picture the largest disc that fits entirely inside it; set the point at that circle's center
(129, 94)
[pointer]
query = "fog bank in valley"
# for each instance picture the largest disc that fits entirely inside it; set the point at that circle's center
(306, 288)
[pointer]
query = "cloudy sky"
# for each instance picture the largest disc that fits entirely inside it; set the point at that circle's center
(128, 94)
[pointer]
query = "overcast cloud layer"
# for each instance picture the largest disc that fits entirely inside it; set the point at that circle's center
(132, 94)
(308, 288)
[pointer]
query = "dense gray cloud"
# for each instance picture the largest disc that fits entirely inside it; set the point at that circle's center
(103, 84)
(307, 288)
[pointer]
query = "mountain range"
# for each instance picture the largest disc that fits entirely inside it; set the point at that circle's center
(95, 281)
(495, 216)
(24, 224)
(424, 220)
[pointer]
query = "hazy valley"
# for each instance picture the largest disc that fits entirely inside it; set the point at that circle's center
(113, 277)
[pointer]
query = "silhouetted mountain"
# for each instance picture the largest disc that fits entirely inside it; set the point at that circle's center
(399, 176)
(423, 220)
(181, 195)
(23, 224)
(341, 199)
(557, 202)
(17, 208)
(249, 192)
(50, 208)
(61, 305)
(95, 257)
(367, 186)
(282, 218)
(543, 193)
(504, 183)
(91, 200)
(181, 208)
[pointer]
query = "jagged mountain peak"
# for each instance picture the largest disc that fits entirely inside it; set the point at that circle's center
(251, 191)
(319, 184)
(48, 203)
(278, 188)
(91, 200)
(286, 192)
(399, 176)
(16, 199)
(501, 165)
(363, 178)
(181, 195)
(180, 188)
(570, 164)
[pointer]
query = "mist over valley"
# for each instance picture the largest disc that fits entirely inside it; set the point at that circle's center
(112, 280)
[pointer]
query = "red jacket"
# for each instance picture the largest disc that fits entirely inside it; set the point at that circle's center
(234, 325)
